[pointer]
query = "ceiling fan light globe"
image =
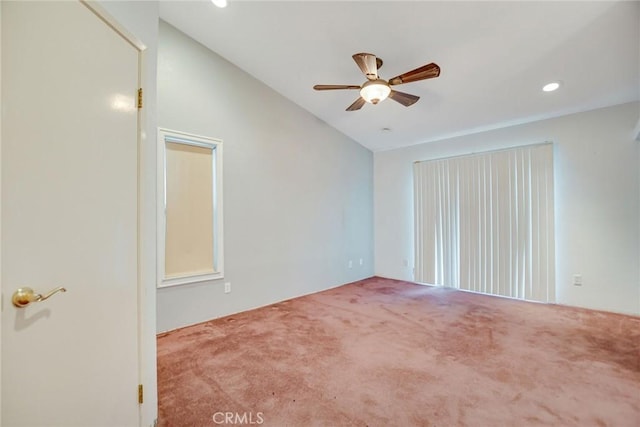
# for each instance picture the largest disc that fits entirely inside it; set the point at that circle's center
(220, 3)
(375, 91)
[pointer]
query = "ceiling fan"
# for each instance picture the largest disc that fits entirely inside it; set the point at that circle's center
(376, 89)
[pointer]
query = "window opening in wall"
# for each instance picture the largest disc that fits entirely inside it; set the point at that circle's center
(484, 222)
(189, 208)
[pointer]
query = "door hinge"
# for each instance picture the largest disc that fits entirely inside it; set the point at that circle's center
(140, 394)
(140, 98)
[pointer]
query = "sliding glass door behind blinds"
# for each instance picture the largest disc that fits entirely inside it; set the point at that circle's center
(484, 222)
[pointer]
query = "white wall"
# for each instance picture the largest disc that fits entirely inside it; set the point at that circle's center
(140, 18)
(597, 192)
(298, 194)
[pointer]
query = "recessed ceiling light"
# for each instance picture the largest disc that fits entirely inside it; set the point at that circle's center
(220, 3)
(550, 87)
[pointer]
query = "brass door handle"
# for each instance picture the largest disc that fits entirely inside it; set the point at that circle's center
(25, 296)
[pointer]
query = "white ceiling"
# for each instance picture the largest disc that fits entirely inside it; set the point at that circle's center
(495, 57)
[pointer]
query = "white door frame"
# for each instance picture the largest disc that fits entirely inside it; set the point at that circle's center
(146, 273)
(108, 19)
(1, 294)
(143, 296)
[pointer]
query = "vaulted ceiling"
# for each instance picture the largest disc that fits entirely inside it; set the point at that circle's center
(494, 56)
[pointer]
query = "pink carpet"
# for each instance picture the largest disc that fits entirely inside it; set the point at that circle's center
(381, 352)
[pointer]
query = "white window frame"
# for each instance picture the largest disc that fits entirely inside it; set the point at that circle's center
(172, 136)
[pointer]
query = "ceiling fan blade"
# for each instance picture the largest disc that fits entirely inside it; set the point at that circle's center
(357, 105)
(335, 87)
(368, 64)
(428, 71)
(405, 99)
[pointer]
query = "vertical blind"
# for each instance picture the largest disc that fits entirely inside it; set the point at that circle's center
(484, 222)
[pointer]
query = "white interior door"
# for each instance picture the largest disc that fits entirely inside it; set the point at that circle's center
(69, 218)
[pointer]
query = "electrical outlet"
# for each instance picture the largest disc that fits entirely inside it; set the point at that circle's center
(405, 263)
(350, 264)
(361, 261)
(577, 280)
(227, 287)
